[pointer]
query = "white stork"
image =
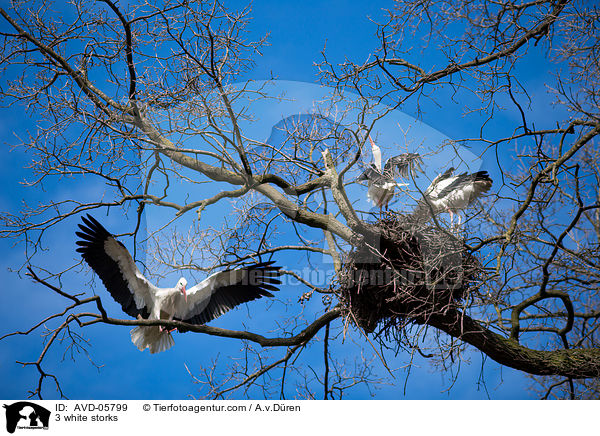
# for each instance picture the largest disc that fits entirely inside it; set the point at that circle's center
(381, 181)
(138, 297)
(449, 193)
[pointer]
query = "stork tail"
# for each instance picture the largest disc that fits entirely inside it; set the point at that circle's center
(152, 338)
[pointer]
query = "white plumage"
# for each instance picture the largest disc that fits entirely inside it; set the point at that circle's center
(449, 193)
(381, 180)
(139, 297)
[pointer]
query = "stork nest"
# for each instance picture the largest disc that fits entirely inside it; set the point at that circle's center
(400, 274)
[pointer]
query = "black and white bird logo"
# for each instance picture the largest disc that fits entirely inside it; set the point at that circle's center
(26, 415)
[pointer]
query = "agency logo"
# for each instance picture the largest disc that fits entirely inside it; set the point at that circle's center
(26, 415)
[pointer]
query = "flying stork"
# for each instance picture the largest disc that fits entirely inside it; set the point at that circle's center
(449, 193)
(140, 298)
(381, 181)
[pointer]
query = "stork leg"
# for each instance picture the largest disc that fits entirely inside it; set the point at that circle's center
(163, 328)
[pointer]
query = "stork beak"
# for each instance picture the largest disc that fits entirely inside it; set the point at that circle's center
(184, 294)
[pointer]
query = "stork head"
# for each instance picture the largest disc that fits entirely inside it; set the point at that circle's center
(376, 154)
(181, 284)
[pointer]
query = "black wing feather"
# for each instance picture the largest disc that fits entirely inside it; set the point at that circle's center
(91, 246)
(370, 173)
(402, 163)
(259, 280)
(463, 180)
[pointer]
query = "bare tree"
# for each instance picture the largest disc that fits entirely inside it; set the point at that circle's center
(144, 99)
(537, 308)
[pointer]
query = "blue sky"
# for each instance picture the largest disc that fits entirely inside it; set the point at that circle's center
(298, 34)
